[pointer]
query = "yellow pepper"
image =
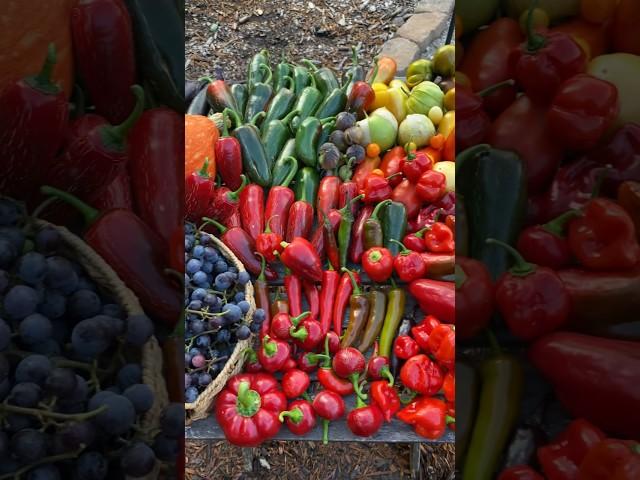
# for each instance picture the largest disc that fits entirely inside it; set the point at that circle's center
(381, 91)
(447, 123)
(397, 103)
(396, 82)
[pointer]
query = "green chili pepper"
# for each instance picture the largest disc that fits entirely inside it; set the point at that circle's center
(241, 94)
(308, 102)
(302, 78)
(493, 185)
(327, 130)
(254, 158)
(355, 73)
(259, 97)
(255, 74)
(397, 298)
(358, 313)
(308, 140)
(325, 78)
(344, 230)
(498, 409)
(284, 171)
(372, 230)
(377, 307)
(274, 136)
(466, 403)
(333, 104)
(307, 181)
(283, 71)
(280, 105)
(394, 225)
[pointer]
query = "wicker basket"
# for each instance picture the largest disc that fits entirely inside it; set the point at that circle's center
(202, 406)
(106, 278)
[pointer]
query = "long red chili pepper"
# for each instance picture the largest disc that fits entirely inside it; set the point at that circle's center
(343, 295)
(252, 210)
(317, 238)
(293, 289)
(313, 298)
(279, 202)
(116, 195)
(155, 142)
(300, 220)
(33, 119)
(134, 251)
(348, 190)
(330, 279)
(331, 244)
(356, 247)
(104, 52)
(229, 158)
(327, 198)
(261, 293)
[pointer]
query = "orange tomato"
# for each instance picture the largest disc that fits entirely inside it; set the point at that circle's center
(373, 150)
(200, 136)
(437, 141)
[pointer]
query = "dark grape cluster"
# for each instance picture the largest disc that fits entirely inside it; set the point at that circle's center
(216, 311)
(71, 389)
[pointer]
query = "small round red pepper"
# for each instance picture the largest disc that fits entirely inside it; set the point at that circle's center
(408, 264)
(294, 383)
(282, 324)
(378, 367)
(376, 188)
(268, 242)
(330, 406)
(415, 241)
(364, 420)
(350, 363)
(422, 375)
(431, 186)
(273, 354)
(377, 262)
(415, 164)
(308, 335)
(405, 347)
(300, 417)
(421, 332)
(439, 239)
(546, 244)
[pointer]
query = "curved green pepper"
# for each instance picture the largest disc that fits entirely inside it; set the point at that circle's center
(393, 217)
(260, 95)
(307, 141)
(274, 136)
(241, 94)
(325, 78)
(378, 307)
(333, 104)
(306, 188)
(372, 230)
(281, 105)
(327, 130)
(283, 71)
(397, 299)
(308, 102)
(354, 74)
(302, 78)
(254, 158)
(284, 171)
(255, 73)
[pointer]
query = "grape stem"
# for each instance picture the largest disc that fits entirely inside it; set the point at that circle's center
(52, 459)
(36, 412)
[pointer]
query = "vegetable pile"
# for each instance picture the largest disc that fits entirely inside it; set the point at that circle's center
(548, 238)
(337, 193)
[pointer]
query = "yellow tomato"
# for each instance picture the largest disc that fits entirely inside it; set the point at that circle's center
(448, 169)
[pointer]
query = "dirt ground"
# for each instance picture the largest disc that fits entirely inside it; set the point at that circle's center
(222, 35)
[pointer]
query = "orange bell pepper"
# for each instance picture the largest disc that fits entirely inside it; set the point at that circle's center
(200, 137)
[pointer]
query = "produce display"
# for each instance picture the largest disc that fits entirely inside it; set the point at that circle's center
(548, 256)
(336, 192)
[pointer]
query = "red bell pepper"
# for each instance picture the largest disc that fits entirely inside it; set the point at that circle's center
(431, 186)
(408, 264)
(134, 251)
(329, 406)
(520, 472)
(317, 238)
(376, 188)
(439, 239)
(356, 247)
(428, 415)
(604, 237)
(248, 408)
(546, 244)
(313, 299)
(611, 458)
(268, 242)
(474, 297)
(103, 39)
(294, 383)
(578, 123)
(279, 202)
(364, 420)
(327, 198)
(300, 221)
(226, 203)
(442, 345)
(591, 373)
(293, 289)
(421, 332)
(406, 193)
(378, 367)
(299, 417)
(343, 294)
(273, 353)
(415, 164)
(377, 262)
(544, 61)
(228, 158)
(328, 290)
(386, 397)
(243, 247)
(350, 363)
(118, 195)
(532, 299)
(199, 190)
(405, 347)
(34, 115)
(303, 261)
(436, 298)
(282, 324)
(251, 208)
(422, 375)
(308, 335)
(392, 163)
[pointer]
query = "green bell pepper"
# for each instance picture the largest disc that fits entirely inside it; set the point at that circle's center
(259, 97)
(324, 77)
(307, 181)
(393, 217)
(274, 136)
(254, 158)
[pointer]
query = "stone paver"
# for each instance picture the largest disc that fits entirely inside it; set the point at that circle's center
(432, 6)
(424, 28)
(402, 50)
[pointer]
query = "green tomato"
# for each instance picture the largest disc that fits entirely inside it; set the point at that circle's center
(416, 128)
(423, 97)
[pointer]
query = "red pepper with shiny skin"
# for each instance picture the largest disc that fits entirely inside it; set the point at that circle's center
(317, 239)
(363, 170)
(273, 354)
(415, 164)
(219, 96)
(449, 386)
(546, 244)
(347, 191)
(428, 415)
(377, 262)
(328, 290)
(300, 257)
(263, 299)
(300, 417)
(474, 297)
(134, 251)
(34, 115)
(306, 362)
(439, 239)
(118, 195)
(408, 264)
(104, 52)
(300, 220)
(282, 324)
(199, 190)
(251, 209)
(392, 163)
(386, 397)
(327, 198)
(268, 242)
(343, 294)
(226, 203)
(376, 188)
(421, 332)
(279, 201)
(294, 383)
(611, 459)
(442, 345)
(313, 298)
(422, 375)
(308, 334)
(360, 98)
(431, 186)
(293, 289)
(378, 367)
(405, 347)
(329, 406)
(356, 247)
(407, 194)
(228, 158)
(331, 249)
(350, 363)
(364, 420)
(415, 241)
(436, 298)
(520, 472)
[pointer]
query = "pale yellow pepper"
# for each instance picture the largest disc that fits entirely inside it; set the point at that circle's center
(447, 123)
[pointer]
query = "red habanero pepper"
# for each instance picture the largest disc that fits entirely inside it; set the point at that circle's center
(422, 375)
(405, 347)
(134, 251)
(94, 153)
(431, 186)
(103, 38)
(356, 247)
(199, 190)
(376, 188)
(421, 332)
(386, 397)
(317, 238)
(251, 209)
(474, 297)
(546, 244)
(229, 158)
(449, 386)
(408, 264)
(327, 198)
(243, 247)
(364, 420)
(282, 324)
(330, 242)
(279, 201)
(611, 459)
(428, 415)
(436, 298)
(520, 472)
(329, 406)
(34, 115)
(544, 61)
(226, 203)
(392, 163)
(300, 417)
(300, 220)
(300, 257)
(313, 298)
(268, 242)
(583, 109)
(328, 292)
(604, 237)
(293, 289)
(294, 383)
(407, 194)
(363, 170)
(156, 140)
(415, 241)
(415, 164)
(273, 354)
(343, 294)
(532, 300)
(118, 195)
(442, 345)
(439, 239)
(377, 262)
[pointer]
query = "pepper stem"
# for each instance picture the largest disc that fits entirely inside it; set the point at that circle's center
(249, 401)
(204, 171)
(405, 251)
(296, 320)
(556, 226)
(359, 402)
(420, 233)
(225, 129)
(386, 373)
(521, 267)
(325, 431)
(449, 419)
(257, 117)
(310, 65)
(233, 115)
(89, 213)
(115, 135)
(292, 172)
(374, 74)
(295, 415)
(534, 41)
(492, 88)
(374, 214)
(355, 377)
(356, 287)
(270, 347)
(299, 334)
(233, 196)
(263, 267)
(43, 80)
(264, 66)
(218, 225)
